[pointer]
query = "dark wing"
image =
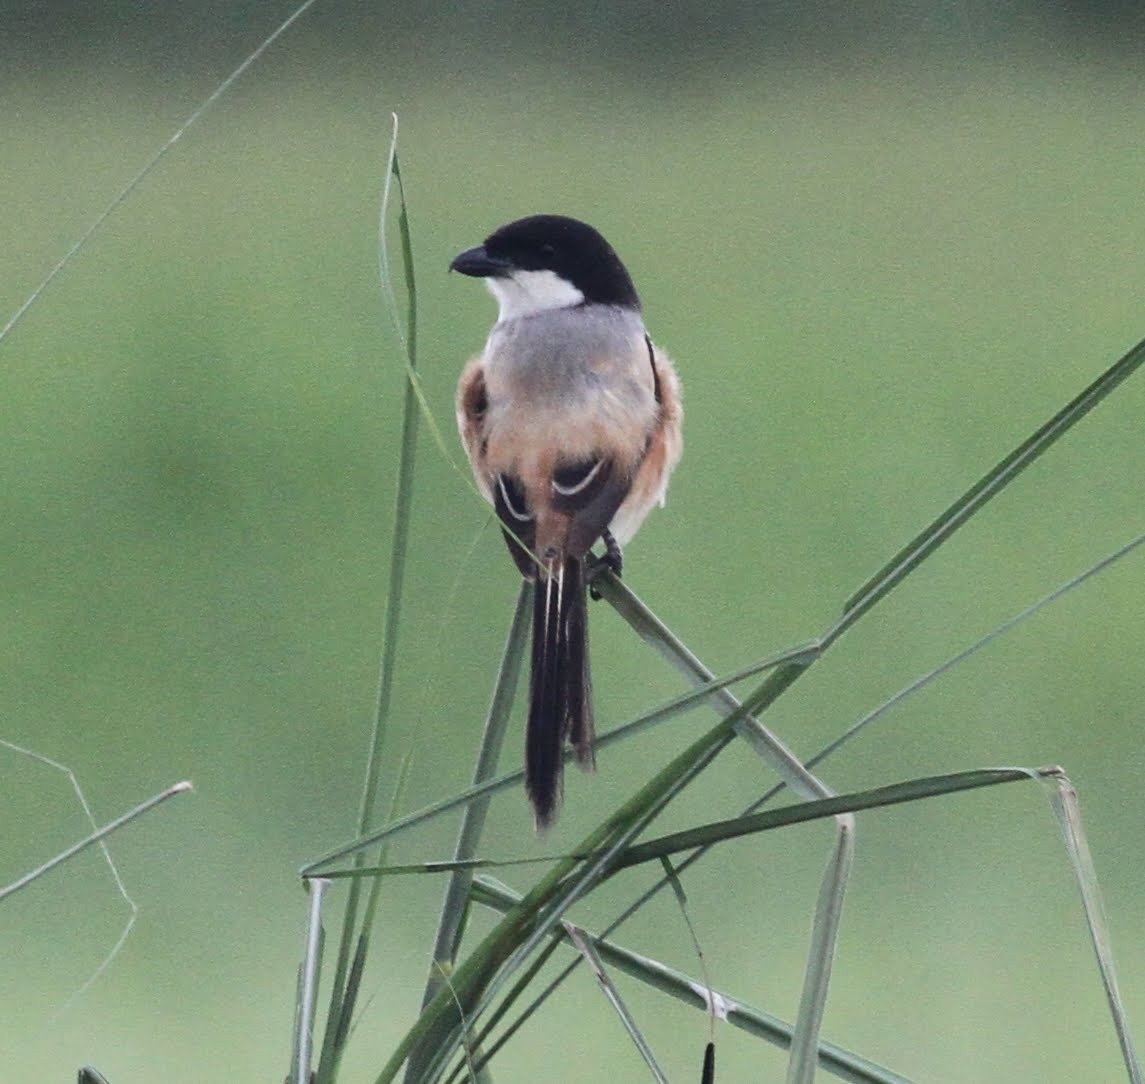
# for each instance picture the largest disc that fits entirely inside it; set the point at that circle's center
(518, 522)
(588, 492)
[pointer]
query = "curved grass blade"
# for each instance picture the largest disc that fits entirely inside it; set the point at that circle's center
(354, 941)
(705, 835)
(764, 742)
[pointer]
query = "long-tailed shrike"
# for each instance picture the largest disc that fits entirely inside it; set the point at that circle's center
(571, 419)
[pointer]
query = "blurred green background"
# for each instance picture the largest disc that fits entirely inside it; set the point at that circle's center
(882, 248)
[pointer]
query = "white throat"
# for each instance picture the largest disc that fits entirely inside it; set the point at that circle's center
(524, 293)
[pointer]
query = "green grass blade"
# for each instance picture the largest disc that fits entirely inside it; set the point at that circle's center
(1063, 799)
(456, 902)
(408, 337)
(986, 488)
(832, 1059)
(705, 835)
(403, 497)
(804, 1057)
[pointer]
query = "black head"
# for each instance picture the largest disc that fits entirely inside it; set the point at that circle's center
(571, 249)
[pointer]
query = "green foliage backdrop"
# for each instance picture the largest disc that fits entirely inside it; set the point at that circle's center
(875, 278)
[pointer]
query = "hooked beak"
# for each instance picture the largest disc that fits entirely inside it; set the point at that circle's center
(478, 264)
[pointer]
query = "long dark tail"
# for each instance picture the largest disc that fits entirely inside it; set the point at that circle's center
(560, 691)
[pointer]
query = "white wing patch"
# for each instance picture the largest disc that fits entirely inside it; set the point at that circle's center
(580, 486)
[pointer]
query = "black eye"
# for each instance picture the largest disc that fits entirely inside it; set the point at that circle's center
(548, 250)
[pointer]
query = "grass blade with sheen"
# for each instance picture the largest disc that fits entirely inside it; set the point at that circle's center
(1063, 799)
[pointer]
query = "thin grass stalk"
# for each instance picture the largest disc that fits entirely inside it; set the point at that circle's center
(98, 836)
(912, 790)
(834, 1059)
(122, 196)
(585, 947)
(354, 942)
(512, 996)
(308, 984)
(455, 903)
(653, 631)
(664, 848)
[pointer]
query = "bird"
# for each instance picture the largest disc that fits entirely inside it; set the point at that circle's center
(571, 418)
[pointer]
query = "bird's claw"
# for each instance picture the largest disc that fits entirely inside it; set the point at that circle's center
(612, 559)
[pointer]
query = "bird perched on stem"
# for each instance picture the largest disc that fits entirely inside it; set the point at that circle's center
(571, 419)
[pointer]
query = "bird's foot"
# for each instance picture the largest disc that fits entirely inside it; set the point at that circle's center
(612, 559)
